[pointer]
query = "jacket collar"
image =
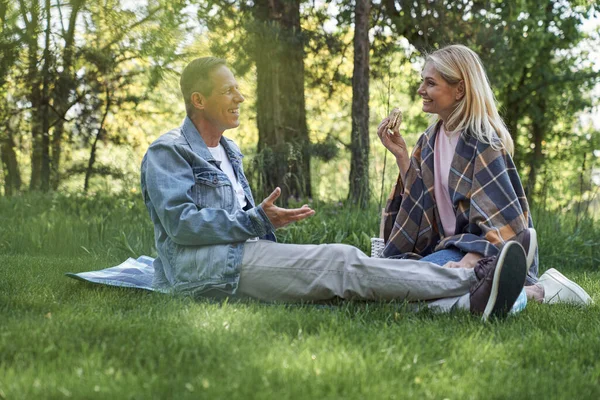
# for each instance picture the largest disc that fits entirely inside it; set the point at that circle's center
(191, 134)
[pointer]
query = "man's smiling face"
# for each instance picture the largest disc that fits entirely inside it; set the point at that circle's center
(222, 105)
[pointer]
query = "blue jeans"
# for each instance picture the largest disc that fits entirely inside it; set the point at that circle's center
(443, 256)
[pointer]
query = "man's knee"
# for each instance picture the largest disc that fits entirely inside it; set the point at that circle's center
(350, 255)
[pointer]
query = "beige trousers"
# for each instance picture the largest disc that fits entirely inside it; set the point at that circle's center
(309, 273)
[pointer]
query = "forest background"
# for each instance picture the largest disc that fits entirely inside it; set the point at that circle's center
(87, 85)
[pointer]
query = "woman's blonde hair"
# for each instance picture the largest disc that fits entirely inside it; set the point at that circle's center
(477, 110)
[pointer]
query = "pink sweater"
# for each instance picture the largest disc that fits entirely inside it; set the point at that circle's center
(443, 153)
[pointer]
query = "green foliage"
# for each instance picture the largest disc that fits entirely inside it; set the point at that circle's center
(570, 239)
(102, 59)
(117, 226)
(75, 225)
(326, 150)
(565, 182)
(335, 223)
(543, 76)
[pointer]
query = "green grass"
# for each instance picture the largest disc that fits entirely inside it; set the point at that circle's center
(60, 338)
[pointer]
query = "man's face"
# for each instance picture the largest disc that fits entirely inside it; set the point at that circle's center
(222, 105)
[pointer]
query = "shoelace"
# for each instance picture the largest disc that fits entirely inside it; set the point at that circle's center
(482, 266)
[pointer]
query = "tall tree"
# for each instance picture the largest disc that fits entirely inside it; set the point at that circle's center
(271, 38)
(542, 80)
(45, 106)
(359, 192)
(281, 117)
(64, 96)
(30, 15)
(9, 46)
(123, 67)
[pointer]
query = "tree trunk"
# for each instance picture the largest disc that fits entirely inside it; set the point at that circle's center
(65, 85)
(35, 93)
(538, 129)
(359, 165)
(45, 108)
(57, 136)
(10, 165)
(283, 145)
(513, 105)
(90, 169)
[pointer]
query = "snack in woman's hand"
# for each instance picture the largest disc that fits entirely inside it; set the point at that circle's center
(395, 121)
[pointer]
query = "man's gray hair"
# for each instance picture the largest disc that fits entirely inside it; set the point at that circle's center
(196, 78)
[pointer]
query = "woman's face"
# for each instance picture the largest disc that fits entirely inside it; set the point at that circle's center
(439, 96)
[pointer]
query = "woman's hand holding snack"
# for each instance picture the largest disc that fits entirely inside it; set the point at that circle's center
(389, 134)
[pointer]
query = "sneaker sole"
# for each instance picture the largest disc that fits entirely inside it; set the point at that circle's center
(509, 276)
(572, 286)
(532, 247)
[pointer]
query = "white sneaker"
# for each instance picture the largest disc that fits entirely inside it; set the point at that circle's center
(560, 289)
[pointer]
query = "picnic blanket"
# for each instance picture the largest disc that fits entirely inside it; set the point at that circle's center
(138, 274)
(132, 273)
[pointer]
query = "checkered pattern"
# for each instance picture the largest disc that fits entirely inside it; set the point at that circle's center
(486, 191)
(131, 273)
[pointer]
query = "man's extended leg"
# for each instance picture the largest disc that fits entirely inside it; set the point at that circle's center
(292, 273)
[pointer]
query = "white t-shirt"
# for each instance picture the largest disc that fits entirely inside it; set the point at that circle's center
(220, 155)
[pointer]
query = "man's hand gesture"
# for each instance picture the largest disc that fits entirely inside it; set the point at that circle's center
(282, 216)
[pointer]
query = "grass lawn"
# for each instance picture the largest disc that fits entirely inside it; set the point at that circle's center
(60, 338)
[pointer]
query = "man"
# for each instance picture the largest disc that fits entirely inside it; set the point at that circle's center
(207, 226)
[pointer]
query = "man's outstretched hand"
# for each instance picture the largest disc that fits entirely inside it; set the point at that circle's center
(282, 216)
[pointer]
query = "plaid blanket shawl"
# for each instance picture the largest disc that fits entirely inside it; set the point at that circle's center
(487, 196)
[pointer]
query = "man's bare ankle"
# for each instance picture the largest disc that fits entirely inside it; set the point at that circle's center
(535, 293)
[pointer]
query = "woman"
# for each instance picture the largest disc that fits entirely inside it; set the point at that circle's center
(459, 198)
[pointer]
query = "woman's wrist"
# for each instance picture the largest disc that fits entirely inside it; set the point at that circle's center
(403, 164)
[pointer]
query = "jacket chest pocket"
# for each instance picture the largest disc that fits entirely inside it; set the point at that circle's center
(212, 189)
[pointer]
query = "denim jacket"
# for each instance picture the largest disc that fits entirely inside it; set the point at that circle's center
(199, 226)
